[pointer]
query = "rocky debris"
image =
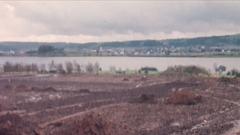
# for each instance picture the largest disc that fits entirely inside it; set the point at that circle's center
(125, 79)
(12, 124)
(143, 78)
(35, 89)
(227, 81)
(67, 109)
(183, 98)
(90, 124)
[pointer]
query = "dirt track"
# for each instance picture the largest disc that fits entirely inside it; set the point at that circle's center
(50, 100)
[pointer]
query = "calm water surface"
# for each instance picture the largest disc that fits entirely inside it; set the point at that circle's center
(131, 62)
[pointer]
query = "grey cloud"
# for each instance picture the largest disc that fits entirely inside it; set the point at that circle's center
(144, 17)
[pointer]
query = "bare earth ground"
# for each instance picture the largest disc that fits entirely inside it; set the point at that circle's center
(116, 105)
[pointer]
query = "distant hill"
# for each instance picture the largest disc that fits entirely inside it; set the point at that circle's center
(227, 40)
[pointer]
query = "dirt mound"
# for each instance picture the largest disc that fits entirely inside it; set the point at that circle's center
(50, 89)
(84, 91)
(21, 87)
(11, 124)
(183, 98)
(91, 124)
(47, 89)
(144, 98)
(35, 89)
(125, 79)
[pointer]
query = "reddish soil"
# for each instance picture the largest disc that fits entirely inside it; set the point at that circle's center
(183, 98)
(118, 105)
(12, 124)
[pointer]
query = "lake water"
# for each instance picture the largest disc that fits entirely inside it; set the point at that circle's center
(131, 62)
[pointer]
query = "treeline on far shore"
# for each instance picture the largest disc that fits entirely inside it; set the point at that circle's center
(54, 68)
(94, 68)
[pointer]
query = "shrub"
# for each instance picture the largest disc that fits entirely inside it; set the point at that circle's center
(186, 70)
(234, 73)
(183, 98)
(147, 70)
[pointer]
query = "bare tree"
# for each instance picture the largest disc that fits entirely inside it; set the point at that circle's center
(96, 68)
(7, 67)
(60, 69)
(89, 68)
(34, 68)
(43, 68)
(69, 67)
(77, 67)
(112, 69)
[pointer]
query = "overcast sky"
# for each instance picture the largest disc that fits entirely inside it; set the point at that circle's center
(90, 21)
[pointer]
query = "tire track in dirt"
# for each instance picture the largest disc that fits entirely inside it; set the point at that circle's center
(160, 90)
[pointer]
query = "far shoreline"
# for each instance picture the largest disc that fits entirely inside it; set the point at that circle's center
(214, 56)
